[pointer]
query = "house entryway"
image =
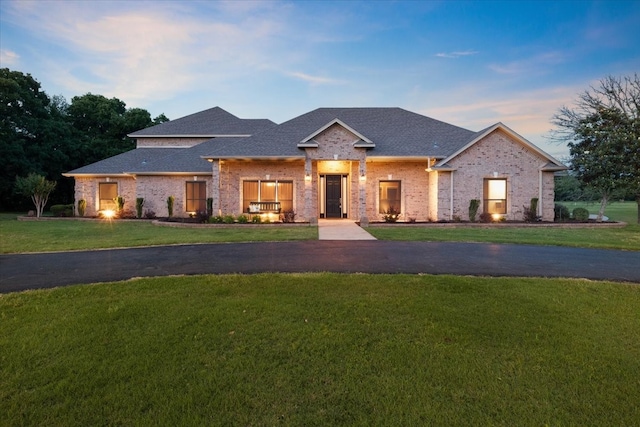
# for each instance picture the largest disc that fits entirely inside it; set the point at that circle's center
(334, 201)
(341, 229)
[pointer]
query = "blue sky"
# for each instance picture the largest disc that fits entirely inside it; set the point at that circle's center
(471, 64)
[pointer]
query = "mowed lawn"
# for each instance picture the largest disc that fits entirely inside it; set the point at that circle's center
(322, 349)
(626, 238)
(68, 234)
(63, 235)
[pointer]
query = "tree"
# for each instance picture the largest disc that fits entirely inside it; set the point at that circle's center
(603, 134)
(36, 187)
(48, 136)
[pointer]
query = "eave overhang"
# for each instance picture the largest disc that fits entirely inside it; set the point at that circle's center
(189, 136)
(212, 158)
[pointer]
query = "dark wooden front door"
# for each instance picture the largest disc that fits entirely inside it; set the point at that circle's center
(333, 193)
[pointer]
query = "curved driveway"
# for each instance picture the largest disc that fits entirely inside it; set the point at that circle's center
(31, 271)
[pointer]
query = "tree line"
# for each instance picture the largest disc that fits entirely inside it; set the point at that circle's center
(48, 136)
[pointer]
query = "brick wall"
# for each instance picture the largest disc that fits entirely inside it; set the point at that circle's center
(497, 155)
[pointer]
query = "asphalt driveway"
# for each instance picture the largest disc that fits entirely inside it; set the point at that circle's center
(31, 271)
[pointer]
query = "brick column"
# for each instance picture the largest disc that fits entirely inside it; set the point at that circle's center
(215, 187)
(362, 194)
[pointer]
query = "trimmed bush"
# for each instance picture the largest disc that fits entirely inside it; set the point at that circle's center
(82, 207)
(486, 217)
(242, 219)
(228, 219)
(170, 201)
(139, 205)
(216, 219)
(62, 210)
(474, 204)
(580, 214)
(531, 213)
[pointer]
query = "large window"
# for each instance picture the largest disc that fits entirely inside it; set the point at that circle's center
(196, 196)
(268, 191)
(108, 194)
(390, 200)
(495, 196)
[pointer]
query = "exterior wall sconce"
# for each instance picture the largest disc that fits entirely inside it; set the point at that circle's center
(390, 177)
(335, 157)
(268, 176)
(363, 177)
(307, 177)
(495, 174)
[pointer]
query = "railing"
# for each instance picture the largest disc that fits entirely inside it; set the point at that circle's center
(263, 207)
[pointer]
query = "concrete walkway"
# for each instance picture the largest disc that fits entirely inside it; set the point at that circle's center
(341, 229)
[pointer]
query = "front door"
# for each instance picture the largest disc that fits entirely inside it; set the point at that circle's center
(333, 207)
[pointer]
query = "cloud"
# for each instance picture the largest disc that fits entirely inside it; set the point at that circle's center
(139, 53)
(534, 64)
(316, 80)
(527, 112)
(456, 54)
(8, 58)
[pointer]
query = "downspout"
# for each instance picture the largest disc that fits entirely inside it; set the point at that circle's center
(451, 199)
(540, 210)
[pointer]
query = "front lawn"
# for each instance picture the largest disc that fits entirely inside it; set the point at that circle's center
(322, 349)
(64, 235)
(627, 238)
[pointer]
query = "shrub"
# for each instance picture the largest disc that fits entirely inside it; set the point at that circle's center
(200, 217)
(474, 204)
(560, 212)
(228, 219)
(288, 216)
(256, 219)
(391, 215)
(242, 219)
(581, 214)
(531, 212)
(62, 210)
(486, 217)
(82, 207)
(149, 214)
(210, 206)
(119, 205)
(139, 205)
(216, 219)
(170, 201)
(126, 214)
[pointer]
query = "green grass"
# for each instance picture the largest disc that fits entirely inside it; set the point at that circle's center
(322, 349)
(627, 238)
(39, 236)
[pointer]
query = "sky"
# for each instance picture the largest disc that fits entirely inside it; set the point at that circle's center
(471, 64)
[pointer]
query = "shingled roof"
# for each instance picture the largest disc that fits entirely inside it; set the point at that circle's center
(393, 132)
(208, 123)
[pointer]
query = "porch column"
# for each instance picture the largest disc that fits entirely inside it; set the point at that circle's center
(362, 194)
(215, 187)
(311, 216)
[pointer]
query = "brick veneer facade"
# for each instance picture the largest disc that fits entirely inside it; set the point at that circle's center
(426, 195)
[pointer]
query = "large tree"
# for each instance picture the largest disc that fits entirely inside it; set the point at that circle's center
(48, 136)
(602, 130)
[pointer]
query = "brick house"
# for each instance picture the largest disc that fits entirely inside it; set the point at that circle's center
(355, 163)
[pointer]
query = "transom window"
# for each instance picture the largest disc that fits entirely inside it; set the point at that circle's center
(196, 196)
(390, 197)
(268, 191)
(495, 196)
(108, 194)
